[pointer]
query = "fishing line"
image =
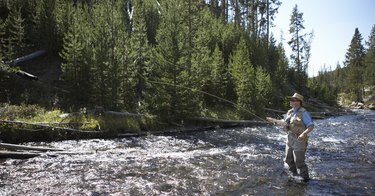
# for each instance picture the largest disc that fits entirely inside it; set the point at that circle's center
(203, 92)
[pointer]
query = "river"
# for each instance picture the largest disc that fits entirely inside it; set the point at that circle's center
(240, 161)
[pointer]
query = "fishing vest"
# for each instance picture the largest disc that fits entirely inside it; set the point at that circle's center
(295, 125)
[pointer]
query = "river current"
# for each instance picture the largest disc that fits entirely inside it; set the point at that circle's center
(240, 161)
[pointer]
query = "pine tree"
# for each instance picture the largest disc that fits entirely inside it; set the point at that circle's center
(339, 78)
(75, 70)
(243, 74)
(280, 77)
(264, 90)
(259, 16)
(173, 62)
(370, 59)
(108, 41)
(258, 51)
(2, 39)
(139, 56)
(14, 42)
(230, 37)
(47, 34)
(34, 22)
(167, 68)
(220, 76)
(272, 57)
(201, 73)
(354, 61)
(203, 65)
(300, 45)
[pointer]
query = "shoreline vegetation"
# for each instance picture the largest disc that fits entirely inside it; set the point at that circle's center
(31, 123)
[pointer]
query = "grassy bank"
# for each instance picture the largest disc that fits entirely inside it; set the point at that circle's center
(22, 123)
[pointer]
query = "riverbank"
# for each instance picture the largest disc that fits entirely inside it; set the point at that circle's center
(30, 123)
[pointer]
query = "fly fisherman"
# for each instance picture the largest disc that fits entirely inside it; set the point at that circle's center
(298, 124)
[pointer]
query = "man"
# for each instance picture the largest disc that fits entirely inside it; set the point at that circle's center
(298, 124)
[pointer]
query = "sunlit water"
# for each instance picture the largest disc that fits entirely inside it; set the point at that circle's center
(242, 161)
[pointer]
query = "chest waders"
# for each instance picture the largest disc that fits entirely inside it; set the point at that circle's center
(295, 149)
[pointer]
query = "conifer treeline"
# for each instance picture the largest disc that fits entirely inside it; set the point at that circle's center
(158, 56)
(355, 78)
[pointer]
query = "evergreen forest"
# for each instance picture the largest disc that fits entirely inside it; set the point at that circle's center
(170, 58)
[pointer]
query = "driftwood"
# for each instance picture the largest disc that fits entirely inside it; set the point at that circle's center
(46, 126)
(23, 154)
(17, 155)
(22, 147)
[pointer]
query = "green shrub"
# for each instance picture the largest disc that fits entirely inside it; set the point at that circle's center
(14, 112)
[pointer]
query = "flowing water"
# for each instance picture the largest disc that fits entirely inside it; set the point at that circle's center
(241, 161)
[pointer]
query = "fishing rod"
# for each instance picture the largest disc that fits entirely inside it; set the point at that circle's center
(206, 93)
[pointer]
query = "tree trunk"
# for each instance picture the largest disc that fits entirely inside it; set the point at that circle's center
(22, 147)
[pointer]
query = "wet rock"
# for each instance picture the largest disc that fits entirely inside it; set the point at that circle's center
(357, 105)
(165, 187)
(360, 105)
(95, 194)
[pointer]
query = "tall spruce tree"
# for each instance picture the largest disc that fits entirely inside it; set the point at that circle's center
(339, 78)
(14, 42)
(370, 59)
(2, 39)
(47, 25)
(243, 74)
(108, 40)
(281, 72)
(354, 61)
(139, 56)
(300, 44)
(171, 67)
(203, 63)
(220, 76)
(75, 69)
(264, 90)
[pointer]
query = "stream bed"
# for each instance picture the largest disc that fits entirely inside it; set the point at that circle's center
(240, 161)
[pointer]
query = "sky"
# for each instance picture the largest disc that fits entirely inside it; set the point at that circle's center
(333, 23)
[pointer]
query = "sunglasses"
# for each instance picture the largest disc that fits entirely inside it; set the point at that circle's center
(294, 100)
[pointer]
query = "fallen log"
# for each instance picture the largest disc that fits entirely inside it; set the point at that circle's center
(122, 114)
(227, 123)
(27, 76)
(47, 126)
(22, 147)
(27, 57)
(17, 155)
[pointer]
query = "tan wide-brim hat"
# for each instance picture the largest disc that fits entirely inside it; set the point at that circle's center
(297, 96)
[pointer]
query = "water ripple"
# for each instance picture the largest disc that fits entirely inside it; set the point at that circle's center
(241, 161)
